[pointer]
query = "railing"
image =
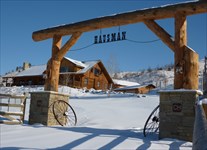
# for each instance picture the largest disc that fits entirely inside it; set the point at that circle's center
(76, 84)
(12, 108)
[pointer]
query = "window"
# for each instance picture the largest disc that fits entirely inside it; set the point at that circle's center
(64, 69)
(96, 71)
(30, 82)
(86, 81)
(77, 78)
(21, 82)
(98, 84)
(106, 86)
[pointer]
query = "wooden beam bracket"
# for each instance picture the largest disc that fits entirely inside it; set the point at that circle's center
(65, 48)
(161, 33)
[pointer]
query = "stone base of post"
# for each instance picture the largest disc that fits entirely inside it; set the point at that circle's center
(177, 113)
(41, 110)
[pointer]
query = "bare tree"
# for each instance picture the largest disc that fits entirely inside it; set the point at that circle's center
(68, 80)
(112, 65)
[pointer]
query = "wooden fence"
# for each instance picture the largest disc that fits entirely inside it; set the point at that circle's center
(12, 108)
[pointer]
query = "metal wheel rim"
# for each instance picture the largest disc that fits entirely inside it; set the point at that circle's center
(64, 113)
(152, 123)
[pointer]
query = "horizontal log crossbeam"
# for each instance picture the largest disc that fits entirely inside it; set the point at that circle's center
(169, 11)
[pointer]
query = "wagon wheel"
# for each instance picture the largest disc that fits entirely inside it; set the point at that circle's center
(64, 113)
(152, 123)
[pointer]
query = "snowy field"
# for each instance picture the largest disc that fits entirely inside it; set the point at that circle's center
(114, 122)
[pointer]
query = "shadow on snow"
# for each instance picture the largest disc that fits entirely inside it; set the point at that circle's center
(118, 135)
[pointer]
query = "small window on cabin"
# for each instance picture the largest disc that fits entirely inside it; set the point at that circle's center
(106, 86)
(77, 78)
(96, 71)
(64, 69)
(98, 84)
(21, 82)
(30, 82)
(86, 81)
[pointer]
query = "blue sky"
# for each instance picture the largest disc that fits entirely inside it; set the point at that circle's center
(19, 18)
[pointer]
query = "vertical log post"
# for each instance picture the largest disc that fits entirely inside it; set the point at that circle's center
(186, 60)
(53, 66)
(191, 69)
(180, 42)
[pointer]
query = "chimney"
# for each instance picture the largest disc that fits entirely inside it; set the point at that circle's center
(26, 65)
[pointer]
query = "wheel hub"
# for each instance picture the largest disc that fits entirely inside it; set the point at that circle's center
(66, 114)
(155, 119)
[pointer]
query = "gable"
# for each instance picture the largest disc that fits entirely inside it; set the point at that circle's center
(105, 72)
(68, 66)
(75, 62)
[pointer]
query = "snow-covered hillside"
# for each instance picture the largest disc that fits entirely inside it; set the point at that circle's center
(162, 77)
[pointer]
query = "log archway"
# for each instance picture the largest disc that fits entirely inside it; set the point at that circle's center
(186, 59)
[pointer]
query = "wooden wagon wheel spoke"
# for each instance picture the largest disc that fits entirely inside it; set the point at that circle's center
(58, 112)
(61, 106)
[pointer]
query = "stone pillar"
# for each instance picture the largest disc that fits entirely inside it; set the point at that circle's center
(41, 107)
(177, 114)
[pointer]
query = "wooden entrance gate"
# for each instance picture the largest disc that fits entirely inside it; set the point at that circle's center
(186, 59)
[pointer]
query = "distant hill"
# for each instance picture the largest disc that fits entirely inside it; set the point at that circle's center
(162, 77)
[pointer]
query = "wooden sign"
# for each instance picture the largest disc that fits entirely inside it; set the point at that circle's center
(105, 38)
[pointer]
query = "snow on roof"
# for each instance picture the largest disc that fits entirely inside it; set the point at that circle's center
(181, 90)
(10, 75)
(76, 62)
(88, 65)
(125, 83)
(132, 87)
(32, 71)
(38, 70)
(204, 101)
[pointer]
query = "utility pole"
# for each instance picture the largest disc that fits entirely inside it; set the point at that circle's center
(205, 79)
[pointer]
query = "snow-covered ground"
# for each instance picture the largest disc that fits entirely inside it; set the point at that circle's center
(114, 122)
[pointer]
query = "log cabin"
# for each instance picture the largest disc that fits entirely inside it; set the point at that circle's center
(73, 73)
